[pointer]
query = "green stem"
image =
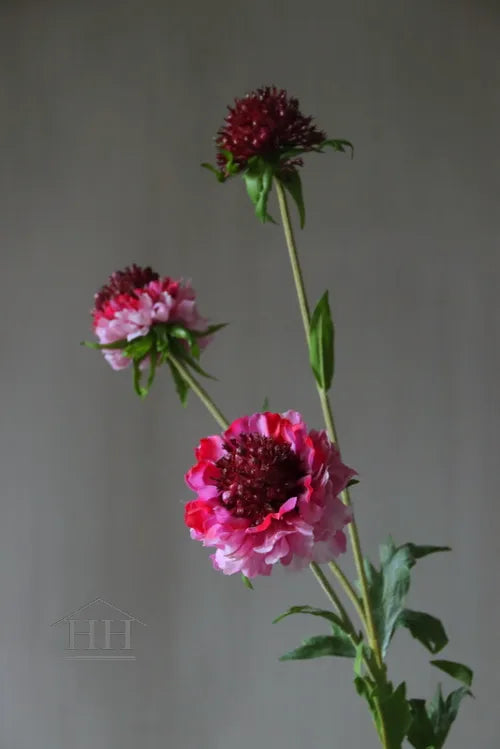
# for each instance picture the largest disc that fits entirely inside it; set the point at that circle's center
(332, 595)
(200, 391)
(328, 416)
(349, 590)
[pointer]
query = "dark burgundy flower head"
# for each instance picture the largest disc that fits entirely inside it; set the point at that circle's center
(266, 123)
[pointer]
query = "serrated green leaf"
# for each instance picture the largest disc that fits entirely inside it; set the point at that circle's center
(246, 582)
(321, 343)
(456, 670)
(181, 386)
(322, 645)
(290, 179)
(323, 613)
(425, 628)
(389, 585)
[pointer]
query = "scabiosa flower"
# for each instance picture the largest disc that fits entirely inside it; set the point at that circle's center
(267, 123)
(136, 299)
(262, 138)
(268, 492)
(144, 320)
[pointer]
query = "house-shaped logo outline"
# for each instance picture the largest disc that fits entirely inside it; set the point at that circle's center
(71, 618)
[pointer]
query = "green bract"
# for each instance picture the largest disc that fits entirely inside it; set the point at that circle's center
(259, 172)
(165, 342)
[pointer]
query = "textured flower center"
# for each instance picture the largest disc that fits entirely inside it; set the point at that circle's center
(257, 475)
(265, 123)
(124, 282)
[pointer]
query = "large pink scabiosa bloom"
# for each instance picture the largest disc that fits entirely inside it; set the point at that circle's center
(268, 492)
(263, 138)
(142, 319)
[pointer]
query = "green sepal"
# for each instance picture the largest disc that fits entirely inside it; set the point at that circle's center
(321, 343)
(330, 616)
(322, 645)
(457, 671)
(209, 331)
(265, 405)
(425, 628)
(246, 582)
(338, 145)
(290, 179)
(221, 177)
(123, 343)
(258, 178)
(141, 390)
(181, 386)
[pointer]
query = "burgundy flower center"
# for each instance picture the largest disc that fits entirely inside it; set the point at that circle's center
(257, 475)
(265, 123)
(124, 282)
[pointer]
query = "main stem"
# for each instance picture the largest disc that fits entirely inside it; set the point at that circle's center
(328, 416)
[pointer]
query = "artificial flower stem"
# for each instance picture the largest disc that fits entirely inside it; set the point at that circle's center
(327, 412)
(332, 595)
(349, 590)
(200, 391)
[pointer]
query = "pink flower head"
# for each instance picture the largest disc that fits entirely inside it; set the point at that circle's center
(136, 300)
(268, 492)
(267, 123)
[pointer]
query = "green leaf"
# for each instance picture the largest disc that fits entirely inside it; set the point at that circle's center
(290, 179)
(322, 645)
(389, 585)
(418, 552)
(338, 145)
(421, 732)
(259, 180)
(140, 347)
(209, 331)
(328, 615)
(388, 706)
(100, 346)
(265, 405)
(397, 716)
(181, 385)
(457, 670)
(352, 482)
(221, 177)
(246, 581)
(431, 721)
(321, 343)
(425, 628)
(179, 331)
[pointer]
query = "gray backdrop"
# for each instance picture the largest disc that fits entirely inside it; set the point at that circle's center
(107, 109)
